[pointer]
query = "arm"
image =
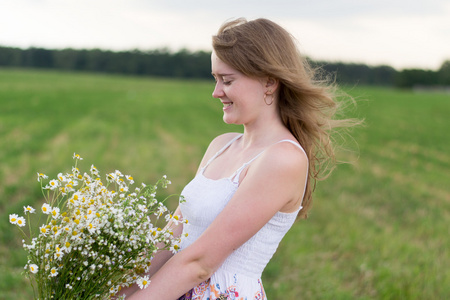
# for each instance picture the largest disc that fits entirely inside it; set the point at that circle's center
(270, 184)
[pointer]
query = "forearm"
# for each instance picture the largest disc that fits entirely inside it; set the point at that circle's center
(175, 278)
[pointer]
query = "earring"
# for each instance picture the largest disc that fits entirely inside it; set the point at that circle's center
(269, 92)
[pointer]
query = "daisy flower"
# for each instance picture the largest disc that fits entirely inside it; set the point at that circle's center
(174, 248)
(41, 176)
(33, 268)
(77, 156)
(111, 177)
(58, 254)
(61, 177)
(75, 171)
(67, 247)
(28, 209)
(53, 184)
(43, 230)
(53, 272)
(46, 208)
(94, 170)
(123, 189)
(143, 282)
(21, 221)
(13, 218)
(130, 179)
(55, 212)
(75, 235)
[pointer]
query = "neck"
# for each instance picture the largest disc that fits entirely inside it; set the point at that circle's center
(263, 131)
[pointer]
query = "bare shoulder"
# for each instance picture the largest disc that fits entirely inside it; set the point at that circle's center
(219, 141)
(284, 163)
(216, 144)
(286, 156)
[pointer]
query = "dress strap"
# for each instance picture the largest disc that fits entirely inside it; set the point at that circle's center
(221, 151)
(235, 176)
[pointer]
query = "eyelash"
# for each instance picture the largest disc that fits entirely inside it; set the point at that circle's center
(224, 82)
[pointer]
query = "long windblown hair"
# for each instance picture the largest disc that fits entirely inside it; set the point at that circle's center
(307, 105)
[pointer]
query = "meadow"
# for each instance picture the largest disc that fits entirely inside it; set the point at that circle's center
(379, 227)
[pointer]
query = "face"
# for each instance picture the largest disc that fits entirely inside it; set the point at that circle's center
(242, 96)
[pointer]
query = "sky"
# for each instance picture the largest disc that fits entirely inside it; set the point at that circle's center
(399, 33)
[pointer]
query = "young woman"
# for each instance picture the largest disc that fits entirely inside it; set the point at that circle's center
(250, 187)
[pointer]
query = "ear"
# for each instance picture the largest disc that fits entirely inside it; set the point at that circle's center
(272, 84)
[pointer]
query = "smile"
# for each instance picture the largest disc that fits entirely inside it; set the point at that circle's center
(227, 105)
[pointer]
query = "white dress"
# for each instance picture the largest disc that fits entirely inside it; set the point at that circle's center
(239, 277)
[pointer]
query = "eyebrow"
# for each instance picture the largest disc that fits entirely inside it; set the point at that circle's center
(222, 74)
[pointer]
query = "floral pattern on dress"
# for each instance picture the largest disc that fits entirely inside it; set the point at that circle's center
(197, 292)
(212, 291)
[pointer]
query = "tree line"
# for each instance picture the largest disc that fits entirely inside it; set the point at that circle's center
(188, 64)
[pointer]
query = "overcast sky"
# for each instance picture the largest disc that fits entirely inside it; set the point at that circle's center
(399, 33)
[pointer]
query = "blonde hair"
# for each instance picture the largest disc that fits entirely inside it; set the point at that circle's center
(262, 48)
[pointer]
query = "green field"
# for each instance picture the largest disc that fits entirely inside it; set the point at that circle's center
(379, 228)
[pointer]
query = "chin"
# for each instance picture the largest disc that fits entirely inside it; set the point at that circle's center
(230, 121)
(232, 118)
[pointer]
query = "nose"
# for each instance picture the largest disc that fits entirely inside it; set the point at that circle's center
(218, 91)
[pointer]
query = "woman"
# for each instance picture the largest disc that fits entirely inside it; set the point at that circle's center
(250, 187)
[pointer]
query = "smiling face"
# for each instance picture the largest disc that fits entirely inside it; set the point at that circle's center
(242, 96)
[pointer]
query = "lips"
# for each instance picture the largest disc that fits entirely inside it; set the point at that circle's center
(227, 104)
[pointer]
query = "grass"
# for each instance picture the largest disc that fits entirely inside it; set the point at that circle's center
(378, 228)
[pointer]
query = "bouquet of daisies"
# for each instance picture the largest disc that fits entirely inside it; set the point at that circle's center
(96, 237)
